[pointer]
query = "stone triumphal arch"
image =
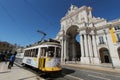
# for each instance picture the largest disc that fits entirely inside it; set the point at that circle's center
(94, 37)
(77, 22)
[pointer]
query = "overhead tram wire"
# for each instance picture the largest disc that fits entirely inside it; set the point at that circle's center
(14, 21)
(39, 13)
(11, 17)
(7, 12)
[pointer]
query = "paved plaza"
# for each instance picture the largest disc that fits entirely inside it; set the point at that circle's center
(70, 72)
(16, 73)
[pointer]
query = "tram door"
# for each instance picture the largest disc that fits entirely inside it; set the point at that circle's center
(42, 58)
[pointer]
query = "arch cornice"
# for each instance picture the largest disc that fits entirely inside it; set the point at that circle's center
(71, 14)
(109, 25)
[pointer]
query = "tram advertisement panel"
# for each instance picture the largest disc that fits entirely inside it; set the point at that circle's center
(31, 61)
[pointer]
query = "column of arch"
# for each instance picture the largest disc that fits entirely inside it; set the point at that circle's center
(89, 53)
(118, 52)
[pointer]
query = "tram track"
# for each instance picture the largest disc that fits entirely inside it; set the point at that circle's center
(74, 74)
(53, 76)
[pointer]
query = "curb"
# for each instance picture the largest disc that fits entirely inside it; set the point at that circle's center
(93, 68)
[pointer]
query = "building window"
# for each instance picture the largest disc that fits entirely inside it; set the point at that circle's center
(118, 37)
(117, 27)
(101, 40)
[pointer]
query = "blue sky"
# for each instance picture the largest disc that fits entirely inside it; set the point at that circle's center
(20, 19)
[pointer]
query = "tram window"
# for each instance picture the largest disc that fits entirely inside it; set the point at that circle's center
(25, 53)
(51, 51)
(43, 51)
(29, 54)
(33, 53)
(36, 52)
(58, 52)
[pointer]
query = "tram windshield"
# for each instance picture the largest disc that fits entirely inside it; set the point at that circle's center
(54, 52)
(51, 51)
(58, 52)
(43, 51)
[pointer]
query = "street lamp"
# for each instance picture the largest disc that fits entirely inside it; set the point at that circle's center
(108, 48)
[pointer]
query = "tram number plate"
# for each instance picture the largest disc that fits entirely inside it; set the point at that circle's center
(28, 61)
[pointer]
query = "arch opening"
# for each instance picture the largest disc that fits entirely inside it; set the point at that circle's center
(73, 44)
(104, 55)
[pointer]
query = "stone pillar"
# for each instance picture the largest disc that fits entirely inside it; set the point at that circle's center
(95, 51)
(113, 53)
(73, 49)
(86, 45)
(62, 51)
(66, 56)
(90, 55)
(86, 59)
(82, 48)
(65, 49)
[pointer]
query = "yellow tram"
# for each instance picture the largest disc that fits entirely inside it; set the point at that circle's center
(46, 56)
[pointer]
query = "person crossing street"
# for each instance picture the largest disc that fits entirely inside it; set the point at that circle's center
(11, 60)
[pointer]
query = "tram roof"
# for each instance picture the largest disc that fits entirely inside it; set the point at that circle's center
(45, 42)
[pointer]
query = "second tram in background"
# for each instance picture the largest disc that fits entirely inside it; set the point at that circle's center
(46, 56)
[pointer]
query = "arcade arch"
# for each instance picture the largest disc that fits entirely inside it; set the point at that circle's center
(73, 46)
(104, 55)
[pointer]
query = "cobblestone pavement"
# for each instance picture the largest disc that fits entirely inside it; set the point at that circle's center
(16, 73)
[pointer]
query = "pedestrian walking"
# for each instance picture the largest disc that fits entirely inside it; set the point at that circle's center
(11, 60)
(14, 58)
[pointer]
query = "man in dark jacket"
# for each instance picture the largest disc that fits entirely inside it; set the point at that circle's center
(11, 61)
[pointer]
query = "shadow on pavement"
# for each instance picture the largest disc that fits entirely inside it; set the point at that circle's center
(4, 72)
(27, 78)
(56, 75)
(48, 76)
